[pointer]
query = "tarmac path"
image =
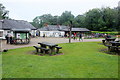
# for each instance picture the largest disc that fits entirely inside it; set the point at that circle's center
(34, 41)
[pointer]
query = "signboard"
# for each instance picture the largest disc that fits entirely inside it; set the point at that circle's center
(23, 35)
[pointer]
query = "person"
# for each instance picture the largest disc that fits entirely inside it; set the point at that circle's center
(44, 35)
(8, 38)
(11, 39)
(30, 35)
(67, 35)
(74, 35)
(80, 37)
(36, 34)
(108, 36)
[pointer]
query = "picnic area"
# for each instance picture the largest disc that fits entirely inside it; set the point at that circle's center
(80, 60)
(44, 40)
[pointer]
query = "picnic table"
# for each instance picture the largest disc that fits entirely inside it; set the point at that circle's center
(107, 41)
(114, 47)
(50, 45)
(114, 43)
(110, 39)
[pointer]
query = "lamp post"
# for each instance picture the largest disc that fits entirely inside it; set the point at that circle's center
(70, 32)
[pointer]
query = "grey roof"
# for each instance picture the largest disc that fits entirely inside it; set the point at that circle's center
(16, 24)
(76, 29)
(60, 28)
(52, 28)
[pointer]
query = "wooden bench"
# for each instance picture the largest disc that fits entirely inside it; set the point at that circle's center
(43, 50)
(113, 48)
(103, 41)
(57, 47)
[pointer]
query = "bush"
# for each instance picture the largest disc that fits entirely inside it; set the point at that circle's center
(111, 33)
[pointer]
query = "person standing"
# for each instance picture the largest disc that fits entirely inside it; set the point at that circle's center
(11, 39)
(74, 36)
(7, 39)
(80, 37)
(43, 35)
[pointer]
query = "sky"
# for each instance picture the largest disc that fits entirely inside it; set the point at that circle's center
(29, 9)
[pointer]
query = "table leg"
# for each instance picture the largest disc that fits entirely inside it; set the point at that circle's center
(52, 50)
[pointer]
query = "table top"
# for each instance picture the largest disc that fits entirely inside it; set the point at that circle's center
(108, 39)
(115, 43)
(48, 44)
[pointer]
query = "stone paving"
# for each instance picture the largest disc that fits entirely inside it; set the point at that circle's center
(34, 41)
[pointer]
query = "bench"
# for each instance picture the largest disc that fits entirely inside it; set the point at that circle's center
(43, 50)
(117, 41)
(57, 47)
(113, 48)
(103, 41)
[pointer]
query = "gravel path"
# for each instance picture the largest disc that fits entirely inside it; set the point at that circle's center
(34, 41)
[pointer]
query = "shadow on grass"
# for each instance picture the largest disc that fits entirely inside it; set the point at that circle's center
(104, 50)
(42, 54)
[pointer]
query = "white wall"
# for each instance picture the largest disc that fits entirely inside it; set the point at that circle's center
(33, 32)
(1, 34)
(6, 32)
(52, 33)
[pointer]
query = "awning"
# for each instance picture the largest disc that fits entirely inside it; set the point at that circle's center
(21, 30)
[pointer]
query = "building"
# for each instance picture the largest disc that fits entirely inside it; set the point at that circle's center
(57, 30)
(1, 34)
(51, 31)
(10, 26)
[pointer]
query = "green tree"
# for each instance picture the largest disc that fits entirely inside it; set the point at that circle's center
(92, 19)
(98, 19)
(109, 17)
(79, 21)
(39, 21)
(3, 12)
(66, 17)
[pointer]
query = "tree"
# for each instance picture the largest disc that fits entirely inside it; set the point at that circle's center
(66, 17)
(109, 17)
(3, 12)
(80, 21)
(92, 19)
(39, 21)
(98, 19)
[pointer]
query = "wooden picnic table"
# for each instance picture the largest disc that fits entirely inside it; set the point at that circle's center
(50, 45)
(110, 39)
(114, 43)
(114, 47)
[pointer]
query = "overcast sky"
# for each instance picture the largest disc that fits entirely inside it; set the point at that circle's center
(29, 9)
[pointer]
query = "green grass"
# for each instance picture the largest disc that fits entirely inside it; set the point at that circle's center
(80, 60)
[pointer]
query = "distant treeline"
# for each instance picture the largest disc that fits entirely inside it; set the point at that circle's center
(97, 19)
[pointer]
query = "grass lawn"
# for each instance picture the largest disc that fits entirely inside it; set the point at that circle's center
(80, 60)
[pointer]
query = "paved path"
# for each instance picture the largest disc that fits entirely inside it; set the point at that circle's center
(34, 41)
